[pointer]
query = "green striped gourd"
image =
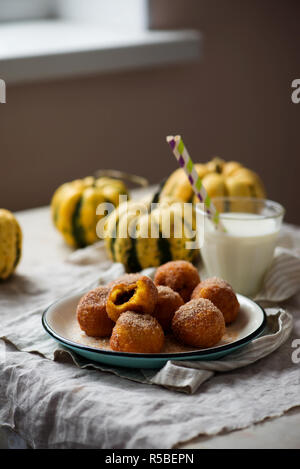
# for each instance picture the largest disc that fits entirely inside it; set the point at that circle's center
(74, 204)
(128, 234)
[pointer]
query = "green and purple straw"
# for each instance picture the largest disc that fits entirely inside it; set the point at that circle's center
(187, 165)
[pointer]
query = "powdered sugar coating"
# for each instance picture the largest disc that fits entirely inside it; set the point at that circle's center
(221, 294)
(198, 323)
(217, 281)
(137, 333)
(138, 321)
(168, 302)
(181, 276)
(125, 278)
(97, 296)
(91, 313)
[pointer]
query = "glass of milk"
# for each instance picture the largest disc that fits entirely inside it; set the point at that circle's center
(243, 253)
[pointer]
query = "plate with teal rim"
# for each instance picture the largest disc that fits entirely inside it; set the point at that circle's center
(59, 320)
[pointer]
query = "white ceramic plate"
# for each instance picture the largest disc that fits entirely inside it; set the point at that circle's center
(60, 322)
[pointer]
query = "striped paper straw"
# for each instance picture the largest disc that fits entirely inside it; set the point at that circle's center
(187, 165)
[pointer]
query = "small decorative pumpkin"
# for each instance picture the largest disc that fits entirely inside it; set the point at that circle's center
(10, 243)
(219, 178)
(135, 235)
(74, 205)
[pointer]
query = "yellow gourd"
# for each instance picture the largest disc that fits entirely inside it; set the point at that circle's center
(219, 178)
(177, 185)
(10, 243)
(74, 204)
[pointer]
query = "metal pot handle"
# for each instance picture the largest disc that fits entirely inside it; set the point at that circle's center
(113, 173)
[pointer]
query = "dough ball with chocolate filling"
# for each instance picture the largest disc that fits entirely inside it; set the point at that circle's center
(140, 296)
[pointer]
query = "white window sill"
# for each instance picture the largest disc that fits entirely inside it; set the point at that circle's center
(54, 49)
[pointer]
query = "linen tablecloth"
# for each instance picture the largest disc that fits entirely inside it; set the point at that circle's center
(55, 404)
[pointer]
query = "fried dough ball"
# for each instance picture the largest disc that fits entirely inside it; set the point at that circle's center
(92, 315)
(220, 294)
(181, 276)
(140, 296)
(125, 278)
(167, 303)
(137, 333)
(198, 323)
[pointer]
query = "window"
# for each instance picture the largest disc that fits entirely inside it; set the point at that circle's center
(15, 10)
(44, 39)
(109, 14)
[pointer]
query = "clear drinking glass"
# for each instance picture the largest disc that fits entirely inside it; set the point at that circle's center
(243, 253)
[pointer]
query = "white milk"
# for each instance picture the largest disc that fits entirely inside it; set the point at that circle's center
(242, 255)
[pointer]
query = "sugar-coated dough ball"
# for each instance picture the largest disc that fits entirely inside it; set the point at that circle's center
(168, 302)
(140, 296)
(221, 294)
(91, 313)
(137, 333)
(181, 276)
(198, 323)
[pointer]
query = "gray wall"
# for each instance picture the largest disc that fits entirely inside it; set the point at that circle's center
(235, 103)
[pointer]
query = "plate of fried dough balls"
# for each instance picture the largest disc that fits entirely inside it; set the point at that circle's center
(141, 322)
